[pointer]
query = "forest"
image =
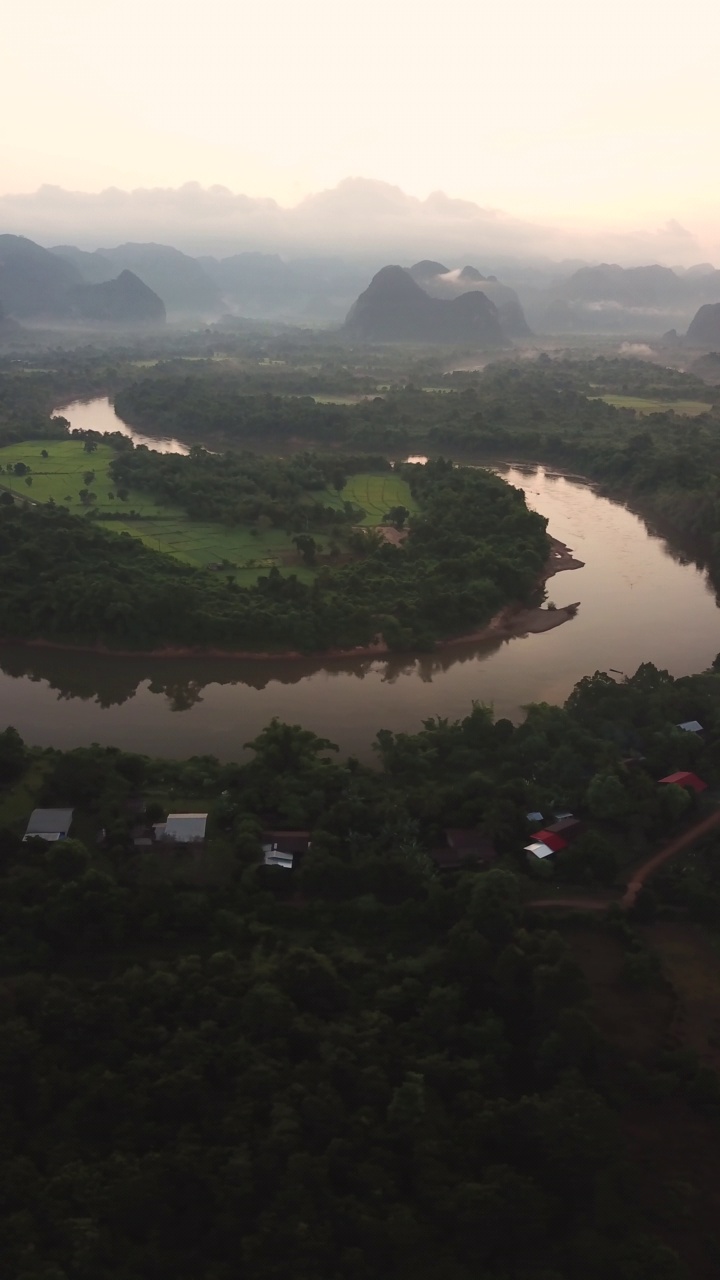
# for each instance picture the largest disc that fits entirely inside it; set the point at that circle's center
(363, 1065)
(473, 546)
(549, 410)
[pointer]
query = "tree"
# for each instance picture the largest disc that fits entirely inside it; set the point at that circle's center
(44, 453)
(6, 499)
(13, 755)
(88, 477)
(307, 547)
(90, 446)
(28, 481)
(607, 797)
(396, 516)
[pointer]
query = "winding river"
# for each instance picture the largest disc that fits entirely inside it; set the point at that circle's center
(641, 601)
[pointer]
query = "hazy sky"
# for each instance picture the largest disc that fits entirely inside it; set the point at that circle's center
(562, 109)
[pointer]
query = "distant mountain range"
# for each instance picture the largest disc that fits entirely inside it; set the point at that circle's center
(40, 287)
(611, 299)
(394, 308)
(66, 284)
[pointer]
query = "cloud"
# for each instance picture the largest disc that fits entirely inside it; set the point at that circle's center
(359, 217)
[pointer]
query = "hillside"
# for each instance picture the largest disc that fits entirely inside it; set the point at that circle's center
(48, 287)
(180, 281)
(34, 284)
(704, 330)
(394, 308)
(125, 300)
(441, 282)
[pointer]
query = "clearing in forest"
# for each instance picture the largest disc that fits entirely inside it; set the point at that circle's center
(684, 408)
(62, 475)
(376, 494)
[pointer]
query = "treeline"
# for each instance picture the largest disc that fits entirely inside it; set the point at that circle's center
(244, 488)
(474, 546)
(361, 1067)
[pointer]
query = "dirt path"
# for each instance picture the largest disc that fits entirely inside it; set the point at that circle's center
(640, 875)
(675, 846)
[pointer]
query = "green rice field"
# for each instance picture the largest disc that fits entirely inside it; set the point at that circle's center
(167, 529)
(376, 494)
(686, 408)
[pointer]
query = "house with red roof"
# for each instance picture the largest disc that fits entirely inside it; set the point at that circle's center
(684, 779)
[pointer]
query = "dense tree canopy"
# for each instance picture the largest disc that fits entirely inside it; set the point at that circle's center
(474, 546)
(361, 1067)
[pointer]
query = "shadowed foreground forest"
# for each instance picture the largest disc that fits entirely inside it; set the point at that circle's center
(210, 1067)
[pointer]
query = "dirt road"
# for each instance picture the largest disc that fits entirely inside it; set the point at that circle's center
(681, 842)
(640, 875)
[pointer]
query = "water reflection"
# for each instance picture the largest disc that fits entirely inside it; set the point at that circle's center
(642, 600)
(99, 415)
(111, 681)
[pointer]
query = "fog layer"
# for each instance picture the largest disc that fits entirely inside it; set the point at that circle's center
(358, 217)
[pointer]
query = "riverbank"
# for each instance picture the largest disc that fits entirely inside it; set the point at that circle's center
(512, 621)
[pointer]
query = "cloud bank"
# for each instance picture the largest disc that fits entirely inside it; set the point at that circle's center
(359, 217)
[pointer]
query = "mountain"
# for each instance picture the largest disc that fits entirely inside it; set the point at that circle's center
(123, 301)
(704, 329)
(613, 299)
(180, 281)
(34, 284)
(49, 288)
(8, 327)
(93, 267)
(394, 308)
(425, 271)
(441, 282)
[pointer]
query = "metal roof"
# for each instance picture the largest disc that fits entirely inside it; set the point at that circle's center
(49, 820)
(686, 779)
(540, 850)
(534, 817)
(275, 859)
(691, 726)
(185, 827)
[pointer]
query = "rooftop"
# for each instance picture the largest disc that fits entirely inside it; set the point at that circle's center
(184, 828)
(540, 850)
(49, 824)
(685, 779)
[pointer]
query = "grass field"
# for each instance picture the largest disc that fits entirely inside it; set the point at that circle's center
(686, 408)
(167, 528)
(376, 494)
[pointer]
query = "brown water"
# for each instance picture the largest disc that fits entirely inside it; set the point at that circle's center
(640, 602)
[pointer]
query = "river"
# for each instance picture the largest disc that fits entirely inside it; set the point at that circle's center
(640, 601)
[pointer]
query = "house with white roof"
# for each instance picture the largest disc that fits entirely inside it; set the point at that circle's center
(49, 824)
(181, 828)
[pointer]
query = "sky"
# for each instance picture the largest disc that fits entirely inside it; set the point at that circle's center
(557, 111)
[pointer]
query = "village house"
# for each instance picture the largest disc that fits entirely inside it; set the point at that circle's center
(49, 824)
(685, 779)
(284, 848)
(181, 828)
(569, 828)
(545, 843)
(691, 726)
